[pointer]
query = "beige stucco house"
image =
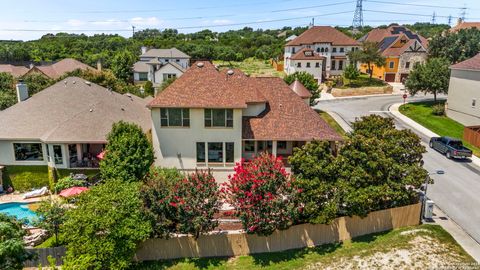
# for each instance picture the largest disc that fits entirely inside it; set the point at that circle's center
(463, 104)
(211, 119)
(66, 124)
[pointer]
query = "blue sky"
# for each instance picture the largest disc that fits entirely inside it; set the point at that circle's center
(30, 19)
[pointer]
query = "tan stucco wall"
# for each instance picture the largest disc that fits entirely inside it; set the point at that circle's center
(176, 147)
(463, 88)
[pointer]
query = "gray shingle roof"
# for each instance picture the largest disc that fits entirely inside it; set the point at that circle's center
(141, 66)
(165, 53)
(72, 112)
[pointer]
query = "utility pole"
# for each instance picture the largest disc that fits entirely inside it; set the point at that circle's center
(133, 30)
(434, 17)
(358, 17)
(463, 12)
(449, 19)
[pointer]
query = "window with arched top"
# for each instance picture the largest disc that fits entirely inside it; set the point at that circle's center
(326, 49)
(318, 49)
(323, 50)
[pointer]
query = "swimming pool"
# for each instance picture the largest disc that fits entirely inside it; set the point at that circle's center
(18, 210)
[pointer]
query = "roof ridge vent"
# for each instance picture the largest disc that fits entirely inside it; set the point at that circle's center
(230, 72)
(88, 83)
(200, 64)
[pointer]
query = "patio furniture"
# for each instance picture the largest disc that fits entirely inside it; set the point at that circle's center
(36, 193)
(69, 192)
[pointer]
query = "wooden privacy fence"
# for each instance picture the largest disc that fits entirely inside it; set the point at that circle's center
(472, 135)
(299, 236)
(42, 256)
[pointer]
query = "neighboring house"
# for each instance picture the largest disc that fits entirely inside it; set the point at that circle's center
(15, 71)
(66, 124)
(52, 71)
(465, 25)
(158, 65)
(320, 51)
(402, 49)
(211, 119)
(463, 104)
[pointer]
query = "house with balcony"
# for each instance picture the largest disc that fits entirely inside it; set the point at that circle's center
(320, 51)
(211, 118)
(402, 49)
(159, 65)
(66, 124)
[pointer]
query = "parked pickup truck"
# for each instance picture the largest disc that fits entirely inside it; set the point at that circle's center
(452, 148)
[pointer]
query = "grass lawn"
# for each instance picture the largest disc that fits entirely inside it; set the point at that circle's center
(420, 247)
(251, 66)
(421, 112)
(363, 81)
(331, 122)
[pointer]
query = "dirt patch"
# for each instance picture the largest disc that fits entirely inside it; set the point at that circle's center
(362, 91)
(423, 252)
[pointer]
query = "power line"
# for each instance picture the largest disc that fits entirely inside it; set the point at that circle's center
(178, 28)
(415, 5)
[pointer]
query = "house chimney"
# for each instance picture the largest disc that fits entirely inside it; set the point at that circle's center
(99, 64)
(144, 49)
(22, 91)
(30, 66)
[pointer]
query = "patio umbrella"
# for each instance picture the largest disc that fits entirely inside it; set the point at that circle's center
(102, 154)
(69, 192)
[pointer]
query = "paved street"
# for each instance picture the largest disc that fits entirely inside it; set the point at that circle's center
(457, 192)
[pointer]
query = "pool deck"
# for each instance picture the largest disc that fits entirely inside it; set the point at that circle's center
(8, 198)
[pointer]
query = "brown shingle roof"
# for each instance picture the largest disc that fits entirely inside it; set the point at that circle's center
(71, 112)
(15, 71)
(465, 25)
(469, 64)
(206, 87)
(307, 54)
(61, 67)
(323, 34)
(300, 89)
(287, 117)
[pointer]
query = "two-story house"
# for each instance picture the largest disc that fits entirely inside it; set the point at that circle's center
(320, 51)
(402, 49)
(158, 65)
(211, 119)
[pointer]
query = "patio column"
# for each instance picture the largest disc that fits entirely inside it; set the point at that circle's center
(274, 148)
(79, 151)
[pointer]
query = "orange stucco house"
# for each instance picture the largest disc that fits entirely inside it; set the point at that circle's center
(402, 49)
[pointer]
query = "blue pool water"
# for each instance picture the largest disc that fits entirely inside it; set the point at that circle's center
(18, 210)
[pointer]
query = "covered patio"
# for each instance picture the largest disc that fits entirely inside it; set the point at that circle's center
(85, 155)
(282, 149)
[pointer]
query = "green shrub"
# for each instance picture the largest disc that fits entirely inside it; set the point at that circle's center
(25, 178)
(438, 109)
(68, 182)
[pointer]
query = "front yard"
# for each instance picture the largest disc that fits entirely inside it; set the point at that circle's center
(422, 113)
(251, 66)
(363, 80)
(420, 247)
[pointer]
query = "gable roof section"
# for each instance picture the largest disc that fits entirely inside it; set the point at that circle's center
(15, 71)
(141, 66)
(306, 54)
(61, 67)
(469, 64)
(287, 117)
(173, 64)
(387, 37)
(203, 86)
(165, 53)
(300, 89)
(465, 25)
(323, 34)
(71, 112)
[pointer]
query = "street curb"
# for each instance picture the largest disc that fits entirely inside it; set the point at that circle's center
(357, 97)
(395, 112)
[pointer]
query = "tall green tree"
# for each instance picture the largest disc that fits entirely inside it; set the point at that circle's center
(122, 64)
(36, 82)
(455, 47)
(350, 73)
(129, 154)
(308, 81)
(12, 250)
(431, 77)
(51, 216)
(104, 228)
(369, 54)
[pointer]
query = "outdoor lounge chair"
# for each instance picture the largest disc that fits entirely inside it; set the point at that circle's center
(36, 193)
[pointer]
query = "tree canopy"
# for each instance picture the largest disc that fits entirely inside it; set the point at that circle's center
(455, 47)
(430, 77)
(12, 249)
(129, 154)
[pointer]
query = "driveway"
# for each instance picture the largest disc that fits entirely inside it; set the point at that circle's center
(457, 192)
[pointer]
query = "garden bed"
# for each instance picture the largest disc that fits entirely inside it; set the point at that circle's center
(362, 91)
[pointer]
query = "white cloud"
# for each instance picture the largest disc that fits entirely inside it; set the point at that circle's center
(150, 21)
(220, 22)
(108, 22)
(75, 22)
